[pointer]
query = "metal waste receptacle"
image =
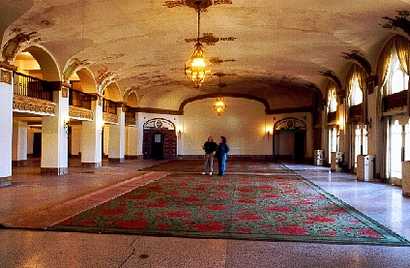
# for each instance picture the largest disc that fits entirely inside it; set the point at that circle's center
(365, 167)
(318, 157)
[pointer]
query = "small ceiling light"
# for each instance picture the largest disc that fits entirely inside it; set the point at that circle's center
(197, 67)
(220, 106)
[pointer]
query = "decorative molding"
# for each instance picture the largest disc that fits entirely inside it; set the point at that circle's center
(73, 65)
(110, 118)
(231, 95)
(149, 110)
(13, 45)
(204, 4)
(289, 123)
(331, 75)
(7, 66)
(159, 123)
(6, 76)
(180, 111)
(304, 109)
(81, 113)
(210, 39)
(33, 105)
(400, 21)
(358, 57)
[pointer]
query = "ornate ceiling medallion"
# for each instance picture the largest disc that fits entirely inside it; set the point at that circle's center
(197, 67)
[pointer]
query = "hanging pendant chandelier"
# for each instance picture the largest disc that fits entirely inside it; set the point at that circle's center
(220, 106)
(197, 67)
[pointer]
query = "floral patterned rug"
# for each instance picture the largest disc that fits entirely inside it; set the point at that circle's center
(273, 208)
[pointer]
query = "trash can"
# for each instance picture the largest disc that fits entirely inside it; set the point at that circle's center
(318, 157)
(365, 167)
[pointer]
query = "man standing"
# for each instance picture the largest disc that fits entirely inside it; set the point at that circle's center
(209, 147)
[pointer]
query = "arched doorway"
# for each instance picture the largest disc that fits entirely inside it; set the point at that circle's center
(289, 140)
(160, 139)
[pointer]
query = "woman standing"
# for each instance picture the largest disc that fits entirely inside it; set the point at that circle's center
(222, 153)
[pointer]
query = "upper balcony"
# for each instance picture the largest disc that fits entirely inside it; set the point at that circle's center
(33, 95)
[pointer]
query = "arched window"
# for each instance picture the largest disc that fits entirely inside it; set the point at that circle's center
(397, 80)
(331, 101)
(356, 93)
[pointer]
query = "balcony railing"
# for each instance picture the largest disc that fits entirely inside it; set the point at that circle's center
(29, 86)
(80, 99)
(331, 117)
(110, 107)
(395, 100)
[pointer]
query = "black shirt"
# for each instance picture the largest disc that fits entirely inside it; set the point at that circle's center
(210, 147)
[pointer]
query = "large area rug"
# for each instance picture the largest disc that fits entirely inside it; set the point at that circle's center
(274, 208)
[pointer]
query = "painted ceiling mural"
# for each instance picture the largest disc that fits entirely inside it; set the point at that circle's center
(271, 49)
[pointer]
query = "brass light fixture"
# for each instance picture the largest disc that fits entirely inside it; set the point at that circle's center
(220, 106)
(197, 67)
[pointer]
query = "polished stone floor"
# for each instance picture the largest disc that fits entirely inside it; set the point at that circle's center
(24, 248)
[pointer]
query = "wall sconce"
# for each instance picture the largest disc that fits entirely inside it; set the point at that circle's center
(66, 124)
(100, 124)
(179, 133)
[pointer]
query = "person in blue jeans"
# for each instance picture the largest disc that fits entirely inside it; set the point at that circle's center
(221, 154)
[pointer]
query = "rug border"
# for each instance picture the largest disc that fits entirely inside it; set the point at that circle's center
(402, 241)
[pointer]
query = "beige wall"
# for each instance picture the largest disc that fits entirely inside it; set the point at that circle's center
(244, 124)
(75, 139)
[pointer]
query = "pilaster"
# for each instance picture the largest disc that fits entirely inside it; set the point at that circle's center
(91, 137)
(54, 147)
(6, 123)
(117, 138)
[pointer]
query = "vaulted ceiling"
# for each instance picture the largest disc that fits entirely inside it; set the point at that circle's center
(271, 49)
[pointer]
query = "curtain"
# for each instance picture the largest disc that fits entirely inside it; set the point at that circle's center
(356, 72)
(403, 53)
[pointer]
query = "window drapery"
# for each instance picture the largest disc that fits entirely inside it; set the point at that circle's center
(403, 53)
(358, 76)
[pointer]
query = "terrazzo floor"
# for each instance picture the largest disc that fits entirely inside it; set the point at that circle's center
(384, 203)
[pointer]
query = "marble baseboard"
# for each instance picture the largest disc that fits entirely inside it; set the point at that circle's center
(5, 181)
(20, 163)
(134, 157)
(91, 165)
(54, 171)
(116, 160)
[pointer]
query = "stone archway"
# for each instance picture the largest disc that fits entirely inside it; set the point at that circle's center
(160, 139)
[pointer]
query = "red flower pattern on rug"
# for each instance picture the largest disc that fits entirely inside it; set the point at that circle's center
(275, 207)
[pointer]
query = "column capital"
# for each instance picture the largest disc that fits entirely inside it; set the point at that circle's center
(6, 76)
(7, 66)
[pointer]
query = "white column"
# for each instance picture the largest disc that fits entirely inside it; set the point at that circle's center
(54, 142)
(6, 123)
(117, 138)
(19, 141)
(91, 137)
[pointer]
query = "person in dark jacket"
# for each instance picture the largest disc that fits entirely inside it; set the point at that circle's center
(222, 154)
(209, 147)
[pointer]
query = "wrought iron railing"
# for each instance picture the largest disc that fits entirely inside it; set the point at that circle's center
(80, 99)
(109, 107)
(25, 85)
